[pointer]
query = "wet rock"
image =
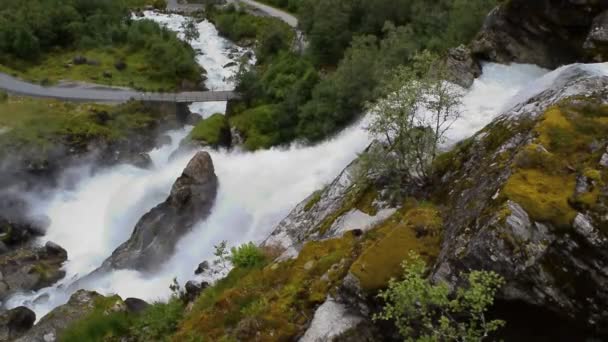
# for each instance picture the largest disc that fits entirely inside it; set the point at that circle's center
(120, 65)
(142, 161)
(236, 138)
(193, 119)
(50, 327)
(596, 43)
(79, 60)
(31, 268)
(93, 62)
(193, 290)
(202, 268)
(156, 234)
(604, 160)
(53, 249)
(229, 65)
(463, 69)
(16, 322)
(136, 305)
(3, 248)
(163, 140)
(543, 32)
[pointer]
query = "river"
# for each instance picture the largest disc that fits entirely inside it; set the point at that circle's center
(94, 215)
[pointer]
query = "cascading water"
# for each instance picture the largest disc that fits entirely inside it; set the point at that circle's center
(91, 218)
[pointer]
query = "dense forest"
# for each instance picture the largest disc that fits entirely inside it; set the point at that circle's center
(351, 46)
(33, 31)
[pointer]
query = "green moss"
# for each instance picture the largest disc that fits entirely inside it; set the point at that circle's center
(543, 181)
(366, 202)
(270, 302)
(314, 199)
(40, 125)
(213, 130)
(543, 196)
(419, 230)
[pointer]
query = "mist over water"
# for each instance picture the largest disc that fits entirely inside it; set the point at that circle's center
(93, 216)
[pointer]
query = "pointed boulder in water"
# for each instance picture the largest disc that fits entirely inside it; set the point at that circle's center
(156, 234)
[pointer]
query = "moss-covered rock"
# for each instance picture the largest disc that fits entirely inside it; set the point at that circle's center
(416, 230)
(270, 302)
(213, 131)
(528, 200)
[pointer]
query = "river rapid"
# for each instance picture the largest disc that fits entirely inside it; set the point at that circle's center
(94, 215)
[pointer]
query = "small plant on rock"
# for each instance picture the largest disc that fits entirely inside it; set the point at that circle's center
(423, 311)
(221, 255)
(246, 255)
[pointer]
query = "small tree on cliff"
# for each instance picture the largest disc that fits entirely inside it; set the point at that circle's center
(411, 120)
(424, 312)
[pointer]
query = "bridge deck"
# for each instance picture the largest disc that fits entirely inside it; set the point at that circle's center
(102, 94)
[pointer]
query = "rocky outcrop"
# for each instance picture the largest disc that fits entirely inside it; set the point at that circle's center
(15, 322)
(17, 228)
(462, 68)
(596, 43)
(156, 234)
(544, 32)
(527, 198)
(50, 327)
(31, 268)
(331, 320)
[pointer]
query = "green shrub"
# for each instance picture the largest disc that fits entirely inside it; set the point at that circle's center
(214, 131)
(423, 311)
(246, 255)
(3, 96)
(97, 327)
(159, 321)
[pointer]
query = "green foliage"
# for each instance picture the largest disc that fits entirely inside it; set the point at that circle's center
(97, 327)
(159, 321)
(423, 311)
(435, 24)
(50, 33)
(246, 255)
(411, 121)
(221, 254)
(259, 126)
(3, 96)
(214, 130)
(39, 126)
(269, 302)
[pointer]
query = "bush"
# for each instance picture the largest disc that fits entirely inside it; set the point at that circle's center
(246, 255)
(158, 321)
(97, 326)
(423, 311)
(3, 96)
(214, 131)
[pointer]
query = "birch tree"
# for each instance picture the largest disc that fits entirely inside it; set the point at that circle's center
(411, 120)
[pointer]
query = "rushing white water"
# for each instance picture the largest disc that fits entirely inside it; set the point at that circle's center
(94, 215)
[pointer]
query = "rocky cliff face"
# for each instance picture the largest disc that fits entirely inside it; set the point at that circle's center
(157, 232)
(547, 33)
(527, 198)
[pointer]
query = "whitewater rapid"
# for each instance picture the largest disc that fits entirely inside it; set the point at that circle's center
(94, 215)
